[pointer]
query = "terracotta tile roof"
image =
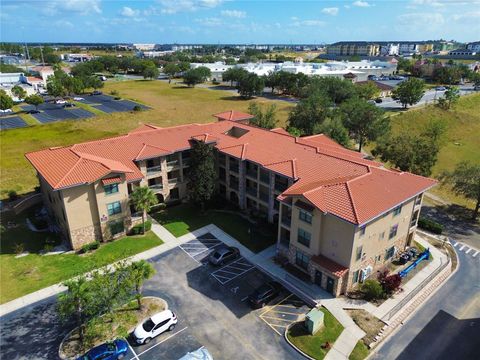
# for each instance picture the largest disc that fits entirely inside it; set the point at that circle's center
(233, 115)
(334, 179)
(111, 180)
(330, 265)
(31, 79)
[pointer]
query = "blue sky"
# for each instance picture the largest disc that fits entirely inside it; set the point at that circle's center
(237, 21)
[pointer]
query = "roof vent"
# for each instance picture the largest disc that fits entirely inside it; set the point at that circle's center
(236, 132)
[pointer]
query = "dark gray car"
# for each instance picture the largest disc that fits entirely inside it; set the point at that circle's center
(223, 254)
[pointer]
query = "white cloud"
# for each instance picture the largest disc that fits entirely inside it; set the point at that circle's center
(360, 3)
(312, 22)
(210, 21)
(63, 24)
(61, 7)
(415, 22)
(129, 12)
(175, 6)
(330, 11)
(472, 17)
(234, 13)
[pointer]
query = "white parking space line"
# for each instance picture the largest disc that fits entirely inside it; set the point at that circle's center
(160, 342)
(245, 298)
(186, 252)
(474, 255)
(461, 249)
(222, 273)
(469, 249)
(133, 352)
(455, 245)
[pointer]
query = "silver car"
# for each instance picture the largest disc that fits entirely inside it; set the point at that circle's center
(223, 254)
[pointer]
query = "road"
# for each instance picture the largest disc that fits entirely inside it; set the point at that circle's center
(429, 96)
(447, 326)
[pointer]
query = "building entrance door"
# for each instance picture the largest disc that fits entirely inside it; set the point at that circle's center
(330, 283)
(318, 278)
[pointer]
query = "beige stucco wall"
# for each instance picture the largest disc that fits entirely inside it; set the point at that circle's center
(54, 204)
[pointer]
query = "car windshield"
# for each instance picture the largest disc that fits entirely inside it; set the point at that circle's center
(217, 255)
(263, 290)
(148, 325)
(111, 347)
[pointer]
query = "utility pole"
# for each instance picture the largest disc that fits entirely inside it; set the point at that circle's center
(41, 53)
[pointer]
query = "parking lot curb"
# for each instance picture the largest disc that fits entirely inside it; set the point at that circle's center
(293, 346)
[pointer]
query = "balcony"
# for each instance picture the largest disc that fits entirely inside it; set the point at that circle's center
(264, 197)
(234, 168)
(172, 164)
(286, 220)
(265, 178)
(154, 169)
(251, 191)
(281, 187)
(156, 187)
(234, 185)
(173, 181)
(185, 162)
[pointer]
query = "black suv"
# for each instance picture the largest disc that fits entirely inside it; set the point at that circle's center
(265, 293)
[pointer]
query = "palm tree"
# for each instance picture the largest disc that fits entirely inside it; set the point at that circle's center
(143, 199)
(139, 272)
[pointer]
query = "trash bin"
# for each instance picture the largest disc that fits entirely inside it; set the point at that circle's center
(314, 321)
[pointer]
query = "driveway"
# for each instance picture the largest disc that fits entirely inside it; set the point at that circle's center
(211, 313)
(447, 326)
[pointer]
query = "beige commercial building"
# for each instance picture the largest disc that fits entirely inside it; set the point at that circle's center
(340, 216)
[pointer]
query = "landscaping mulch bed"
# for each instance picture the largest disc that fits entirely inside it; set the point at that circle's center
(367, 322)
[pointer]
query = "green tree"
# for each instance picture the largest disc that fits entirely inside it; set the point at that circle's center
(264, 119)
(6, 101)
(138, 272)
(143, 199)
(250, 85)
(234, 74)
(55, 87)
(309, 112)
(335, 89)
(196, 76)
(405, 65)
(465, 181)
(93, 82)
(150, 72)
(412, 151)
(334, 129)
(409, 92)
(372, 290)
(367, 90)
(34, 100)
(19, 92)
(171, 69)
(364, 121)
(450, 97)
(77, 303)
(201, 174)
(447, 74)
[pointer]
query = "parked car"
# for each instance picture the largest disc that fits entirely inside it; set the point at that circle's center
(378, 100)
(199, 354)
(96, 92)
(60, 101)
(67, 104)
(476, 88)
(440, 88)
(76, 98)
(33, 111)
(6, 111)
(265, 293)
(114, 350)
(223, 254)
(154, 326)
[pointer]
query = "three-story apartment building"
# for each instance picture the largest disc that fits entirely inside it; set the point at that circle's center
(340, 216)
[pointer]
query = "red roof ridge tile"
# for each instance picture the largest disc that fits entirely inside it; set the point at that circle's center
(294, 168)
(68, 172)
(355, 212)
(244, 151)
(110, 164)
(144, 128)
(137, 157)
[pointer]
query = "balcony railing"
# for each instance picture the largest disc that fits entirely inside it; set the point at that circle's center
(287, 220)
(264, 197)
(252, 191)
(172, 163)
(186, 162)
(265, 178)
(156, 186)
(252, 173)
(234, 168)
(173, 181)
(154, 169)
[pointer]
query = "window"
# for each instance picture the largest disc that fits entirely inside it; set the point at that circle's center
(114, 208)
(381, 236)
(302, 260)
(304, 237)
(397, 210)
(359, 252)
(355, 276)
(362, 231)
(111, 189)
(116, 227)
(389, 252)
(305, 216)
(393, 231)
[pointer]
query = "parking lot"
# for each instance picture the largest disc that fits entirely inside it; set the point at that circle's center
(109, 105)
(210, 303)
(50, 112)
(12, 122)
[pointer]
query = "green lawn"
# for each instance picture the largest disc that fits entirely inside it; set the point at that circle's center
(360, 351)
(171, 105)
(20, 276)
(312, 344)
(182, 219)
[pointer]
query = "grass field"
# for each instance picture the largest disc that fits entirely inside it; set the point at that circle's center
(463, 136)
(24, 275)
(171, 105)
(182, 219)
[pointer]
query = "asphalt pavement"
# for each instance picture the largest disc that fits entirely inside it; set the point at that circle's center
(447, 326)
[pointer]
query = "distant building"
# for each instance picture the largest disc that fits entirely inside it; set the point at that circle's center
(144, 47)
(411, 48)
(390, 49)
(9, 80)
(474, 46)
(462, 52)
(355, 48)
(385, 90)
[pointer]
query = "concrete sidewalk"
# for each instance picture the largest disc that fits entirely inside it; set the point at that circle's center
(169, 242)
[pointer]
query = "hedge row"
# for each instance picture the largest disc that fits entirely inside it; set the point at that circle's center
(430, 225)
(138, 229)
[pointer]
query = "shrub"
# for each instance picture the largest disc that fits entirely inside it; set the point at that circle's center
(138, 229)
(430, 225)
(137, 108)
(391, 283)
(114, 93)
(90, 246)
(12, 195)
(372, 290)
